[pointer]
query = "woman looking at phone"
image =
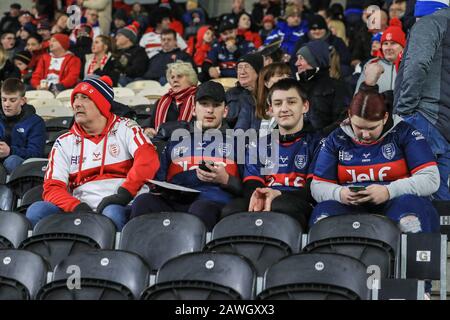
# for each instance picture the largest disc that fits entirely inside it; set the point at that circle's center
(376, 163)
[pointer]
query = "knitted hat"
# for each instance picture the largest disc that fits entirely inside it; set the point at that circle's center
(426, 7)
(268, 18)
(131, 31)
(23, 56)
(317, 22)
(256, 60)
(98, 90)
(394, 33)
(63, 40)
(377, 37)
(316, 53)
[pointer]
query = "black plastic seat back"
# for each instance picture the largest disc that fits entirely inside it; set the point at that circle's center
(22, 274)
(372, 239)
(398, 289)
(58, 124)
(316, 276)
(443, 209)
(58, 236)
(423, 255)
(31, 196)
(161, 236)
(204, 276)
(104, 275)
(51, 138)
(13, 229)
(264, 237)
(7, 198)
(27, 176)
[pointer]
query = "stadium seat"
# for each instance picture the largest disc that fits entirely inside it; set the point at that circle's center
(22, 274)
(227, 83)
(28, 175)
(370, 238)
(39, 94)
(13, 229)
(103, 275)
(161, 236)
(51, 108)
(424, 257)
(122, 92)
(316, 276)
(133, 101)
(143, 112)
(443, 209)
(399, 289)
(58, 236)
(58, 123)
(51, 138)
(262, 237)
(31, 196)
(7, 198)
(139, 85)
(204, 276)
(153, 93)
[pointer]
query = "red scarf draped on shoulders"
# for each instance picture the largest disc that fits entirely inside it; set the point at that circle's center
(185, 101)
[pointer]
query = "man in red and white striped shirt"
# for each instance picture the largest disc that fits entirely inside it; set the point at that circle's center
(100, 164)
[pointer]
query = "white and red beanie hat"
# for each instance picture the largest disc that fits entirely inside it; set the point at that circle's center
(98, 90)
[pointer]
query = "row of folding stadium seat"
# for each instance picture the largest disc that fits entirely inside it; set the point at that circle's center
(333, 258)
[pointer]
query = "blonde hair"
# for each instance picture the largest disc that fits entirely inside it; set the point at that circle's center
(3, 56)
(335, 64)
(182, 68)
(339, 26)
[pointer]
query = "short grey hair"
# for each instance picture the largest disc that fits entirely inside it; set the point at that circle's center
(183, 68)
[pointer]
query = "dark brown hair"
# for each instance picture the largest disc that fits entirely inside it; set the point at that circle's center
(269, 71)
(13, 85)
(368, 105)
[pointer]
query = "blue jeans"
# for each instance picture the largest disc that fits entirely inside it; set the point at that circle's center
(440, 147)
(12, 162)
(394, 209)
(41, 209)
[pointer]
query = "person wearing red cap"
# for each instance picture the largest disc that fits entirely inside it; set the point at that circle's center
(393, 42)
(101, 164)
(59, 69)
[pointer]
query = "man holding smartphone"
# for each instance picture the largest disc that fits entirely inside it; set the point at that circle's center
(203, 159)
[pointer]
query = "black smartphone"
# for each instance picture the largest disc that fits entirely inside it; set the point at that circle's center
(204, 167)
(357, 188)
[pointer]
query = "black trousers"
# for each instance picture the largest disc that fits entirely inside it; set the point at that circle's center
(208, 211)
(287, 203)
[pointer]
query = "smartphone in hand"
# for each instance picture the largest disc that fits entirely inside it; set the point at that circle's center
(204, 167)
(356, 188)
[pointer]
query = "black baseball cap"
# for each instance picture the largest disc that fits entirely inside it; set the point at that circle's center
(226, 25)
(212, 90)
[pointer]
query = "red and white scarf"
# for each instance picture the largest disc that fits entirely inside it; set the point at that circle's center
(185, 101)
(93, 65)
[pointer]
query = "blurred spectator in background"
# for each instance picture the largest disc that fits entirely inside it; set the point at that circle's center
(104, 11)
(120, 20)
(193, 18)
(151, 40)
(264, 8)
(59, 27)
(169, 53)
(22, 61)
(392, 43)
(91, 16)
(247, 30)
(8, 41)
(43, 30)
(83, 37)
(139, 14)
(237, 8)
(10, 20)
(23, 34)
(131, 59)
(59, 69)
(289, 30)
(199, 49)
(7, 67)
(101, 62)
(318, 30)
(397, 9)
(268, 24)
(272, 52)
(34, 46)
(221, 60)
(337, 28)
